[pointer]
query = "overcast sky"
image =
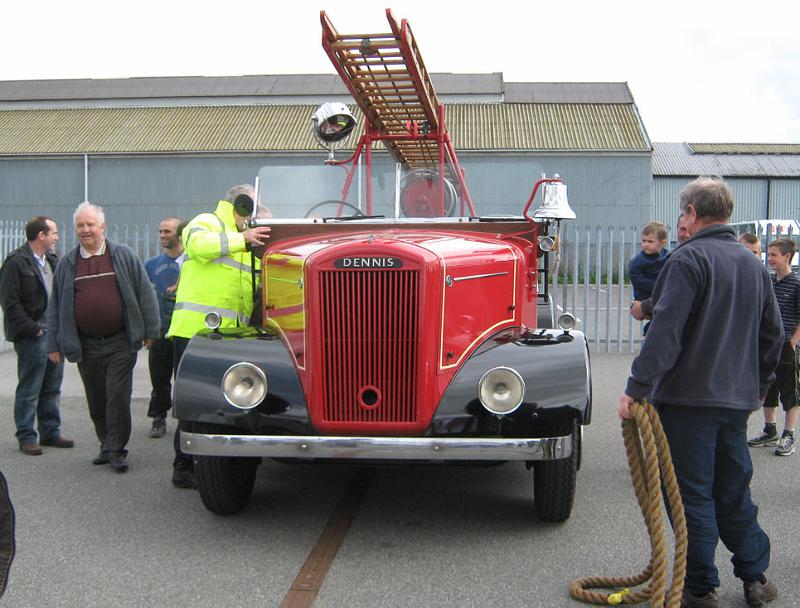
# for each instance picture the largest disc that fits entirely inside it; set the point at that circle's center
(699, 71)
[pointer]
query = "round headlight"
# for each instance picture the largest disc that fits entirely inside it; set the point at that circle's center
(244, 385)
(566, 321)
(501, 390)
(213, 320)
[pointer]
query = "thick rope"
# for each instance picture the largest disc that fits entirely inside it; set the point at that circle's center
(650, 464)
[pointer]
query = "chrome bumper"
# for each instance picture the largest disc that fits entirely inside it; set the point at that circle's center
(376, 448)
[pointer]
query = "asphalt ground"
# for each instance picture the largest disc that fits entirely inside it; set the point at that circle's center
(423, 536)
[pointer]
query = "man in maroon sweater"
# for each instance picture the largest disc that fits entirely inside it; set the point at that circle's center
(102, 309)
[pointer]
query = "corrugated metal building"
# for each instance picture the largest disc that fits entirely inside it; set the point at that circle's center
(765, 178)
(146, 147)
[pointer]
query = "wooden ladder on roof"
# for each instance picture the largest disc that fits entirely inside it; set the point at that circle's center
(388, 80)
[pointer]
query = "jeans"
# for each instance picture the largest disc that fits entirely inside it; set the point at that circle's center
(38, 391)
(713, 468)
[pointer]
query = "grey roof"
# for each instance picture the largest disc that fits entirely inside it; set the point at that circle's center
(567, 92)
(222, 86)
(302, 85)
(678, 159)
(180, 86)
(723, 148)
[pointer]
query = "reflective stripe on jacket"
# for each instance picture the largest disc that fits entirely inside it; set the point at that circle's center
(216, 275)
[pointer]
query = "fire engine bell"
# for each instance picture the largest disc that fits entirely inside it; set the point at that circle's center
(555, 205)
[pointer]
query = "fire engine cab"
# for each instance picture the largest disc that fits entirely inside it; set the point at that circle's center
(397, 324)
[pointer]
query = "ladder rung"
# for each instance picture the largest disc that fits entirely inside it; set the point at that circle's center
(356, 46)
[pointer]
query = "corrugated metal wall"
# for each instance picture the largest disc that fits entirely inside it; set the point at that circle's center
(603, 190)
(750, 196)
(784, 199)
(666, 194)
(132, 190)
(29, 186)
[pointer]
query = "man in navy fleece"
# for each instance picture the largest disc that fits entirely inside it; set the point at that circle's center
(706, 363)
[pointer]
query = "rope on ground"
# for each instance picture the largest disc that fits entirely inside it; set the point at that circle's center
(650, 464)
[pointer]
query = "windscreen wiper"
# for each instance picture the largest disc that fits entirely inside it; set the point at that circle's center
(351, 218)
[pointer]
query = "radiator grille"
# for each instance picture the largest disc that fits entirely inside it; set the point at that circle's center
(370, 340)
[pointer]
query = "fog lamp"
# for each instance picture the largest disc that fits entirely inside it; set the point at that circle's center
(244, 385)
(546, 243)
(501, 390)
(566, 321)
(213, 320)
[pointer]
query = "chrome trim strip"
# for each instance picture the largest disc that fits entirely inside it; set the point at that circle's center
(377, 448)
(481, 276)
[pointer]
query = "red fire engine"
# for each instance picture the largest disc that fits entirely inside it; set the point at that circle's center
(398, 325)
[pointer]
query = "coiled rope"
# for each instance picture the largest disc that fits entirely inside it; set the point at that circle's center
(650, 463)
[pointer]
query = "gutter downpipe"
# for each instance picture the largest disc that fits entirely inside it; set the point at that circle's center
(86, 177)
(769, 195)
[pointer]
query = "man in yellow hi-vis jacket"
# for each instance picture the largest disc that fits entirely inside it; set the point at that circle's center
(216, 276)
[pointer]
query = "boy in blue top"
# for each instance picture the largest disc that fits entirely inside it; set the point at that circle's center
(645, 267)
(163, 271)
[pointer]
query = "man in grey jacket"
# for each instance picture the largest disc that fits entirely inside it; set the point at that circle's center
(102, 309)
(708, 359)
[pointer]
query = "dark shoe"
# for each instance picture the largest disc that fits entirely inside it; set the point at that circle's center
(102, 458)
(184, 478)
(764, 439)
(690, 600)
(118, 463)
(31, 449)
(159, 428)
(58, 442)
(757, 593)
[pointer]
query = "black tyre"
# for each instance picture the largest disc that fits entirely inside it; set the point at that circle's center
(225, 483)
(554, 484)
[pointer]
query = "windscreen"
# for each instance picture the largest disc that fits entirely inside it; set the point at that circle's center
(295, 190)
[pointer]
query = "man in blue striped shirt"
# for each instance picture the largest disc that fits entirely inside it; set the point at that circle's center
(787, 291)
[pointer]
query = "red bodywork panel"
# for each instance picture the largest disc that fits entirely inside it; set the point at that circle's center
(379, 322)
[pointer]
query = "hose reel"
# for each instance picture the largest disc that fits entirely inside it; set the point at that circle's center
(419, 194)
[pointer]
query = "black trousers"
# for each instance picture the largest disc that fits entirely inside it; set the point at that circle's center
(159, 362)
(181, 461)
(106, 370)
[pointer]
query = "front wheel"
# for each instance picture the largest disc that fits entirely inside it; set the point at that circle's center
(225, 483)
(554, 484)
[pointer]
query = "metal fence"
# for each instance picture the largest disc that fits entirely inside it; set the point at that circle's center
(589, 275)
(590, 280)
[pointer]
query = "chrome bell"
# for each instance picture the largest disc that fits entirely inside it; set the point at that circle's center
(555, 205)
